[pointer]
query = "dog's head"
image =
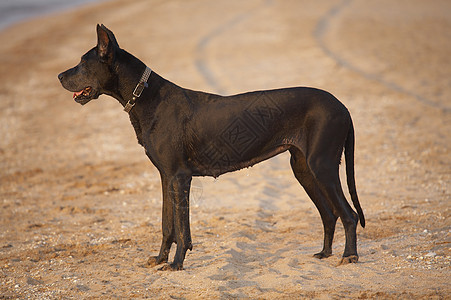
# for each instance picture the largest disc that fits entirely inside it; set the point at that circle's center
(94, 74)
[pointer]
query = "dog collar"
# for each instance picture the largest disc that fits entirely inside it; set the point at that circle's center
(138, 89)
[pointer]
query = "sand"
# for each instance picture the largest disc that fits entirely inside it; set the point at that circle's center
(81, 203)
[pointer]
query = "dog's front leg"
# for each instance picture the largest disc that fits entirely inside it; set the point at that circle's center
(168, 228)
(179, 188)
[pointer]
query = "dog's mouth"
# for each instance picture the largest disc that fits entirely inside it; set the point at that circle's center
(84, 96)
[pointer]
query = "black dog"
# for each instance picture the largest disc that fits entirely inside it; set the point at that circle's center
(187, 133)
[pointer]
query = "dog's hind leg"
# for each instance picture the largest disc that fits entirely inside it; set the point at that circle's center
(167, 226)
(306, 179)
(325, 170)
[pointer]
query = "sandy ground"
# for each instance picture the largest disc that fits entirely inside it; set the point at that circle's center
(80, 202)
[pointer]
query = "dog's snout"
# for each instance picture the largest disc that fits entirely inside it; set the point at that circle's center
(61, 77)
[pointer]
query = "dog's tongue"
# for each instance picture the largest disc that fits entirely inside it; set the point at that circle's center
(78, 93)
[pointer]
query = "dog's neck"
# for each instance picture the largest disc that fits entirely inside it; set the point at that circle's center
(131, 70)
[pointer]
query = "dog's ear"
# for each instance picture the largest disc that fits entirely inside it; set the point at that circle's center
(111, 36)
(106, 43)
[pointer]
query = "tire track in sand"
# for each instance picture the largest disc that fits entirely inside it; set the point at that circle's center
(201, 62)
(322, 27)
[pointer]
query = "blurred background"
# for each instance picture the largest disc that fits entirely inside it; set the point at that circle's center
(14, 11)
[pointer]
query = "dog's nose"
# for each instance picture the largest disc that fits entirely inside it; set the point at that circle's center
(60, 76)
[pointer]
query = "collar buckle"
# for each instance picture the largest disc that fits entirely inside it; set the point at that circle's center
(142, 84)
(139, 89)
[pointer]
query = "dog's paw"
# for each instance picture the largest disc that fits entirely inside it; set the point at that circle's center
(322, 255)
(154, 261)
(348, 260)
(171, 267)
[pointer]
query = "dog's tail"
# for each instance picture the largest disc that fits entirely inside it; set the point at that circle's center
(349, 158)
